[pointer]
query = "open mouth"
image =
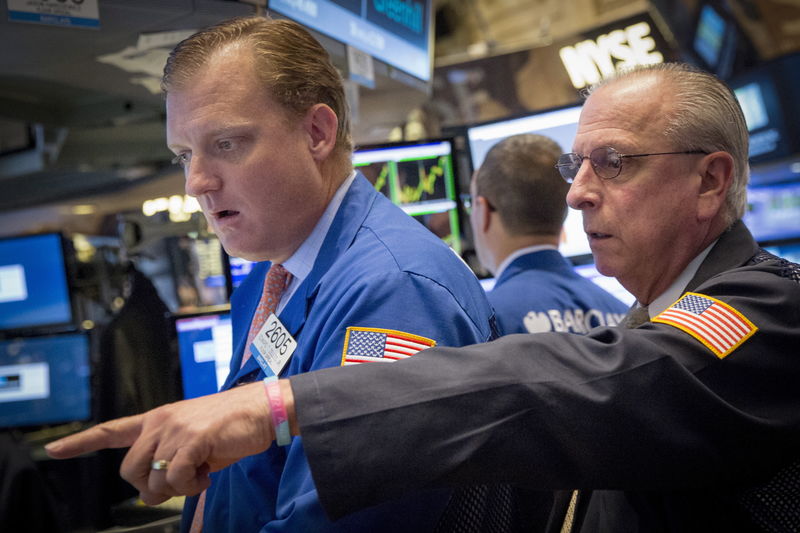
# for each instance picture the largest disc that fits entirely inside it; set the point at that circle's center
(225, 213)
(595, 235)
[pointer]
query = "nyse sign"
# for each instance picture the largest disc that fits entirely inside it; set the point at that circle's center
(590, 61)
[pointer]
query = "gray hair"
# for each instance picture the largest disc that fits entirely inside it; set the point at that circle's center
(520, 181)
(706, 116)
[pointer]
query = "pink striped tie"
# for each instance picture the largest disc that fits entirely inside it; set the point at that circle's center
(275, 283)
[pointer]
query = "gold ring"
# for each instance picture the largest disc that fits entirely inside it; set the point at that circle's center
(161, 464)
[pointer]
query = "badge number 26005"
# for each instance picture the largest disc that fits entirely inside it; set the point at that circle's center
(273, 345)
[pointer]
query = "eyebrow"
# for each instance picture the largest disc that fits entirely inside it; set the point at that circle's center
(220, 131)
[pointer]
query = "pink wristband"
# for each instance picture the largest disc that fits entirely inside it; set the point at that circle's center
(280, 420)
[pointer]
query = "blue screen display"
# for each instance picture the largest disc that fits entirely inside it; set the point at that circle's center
(204, 345)
(33, 282)
(789, 251)
(394, 31)
(239, 269)
(710, 34)
(609, 284)
(773, 211)
(44, 380)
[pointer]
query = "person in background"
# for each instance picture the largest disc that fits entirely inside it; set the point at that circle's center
(518, 209)
(257, 118)
(686, 419)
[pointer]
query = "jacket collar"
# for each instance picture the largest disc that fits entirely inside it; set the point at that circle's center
(354, 209)
(550, 260)
(734, 248)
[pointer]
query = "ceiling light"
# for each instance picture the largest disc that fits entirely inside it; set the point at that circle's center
(83, 209)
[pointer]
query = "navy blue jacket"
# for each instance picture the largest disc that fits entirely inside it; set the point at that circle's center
(541, 291)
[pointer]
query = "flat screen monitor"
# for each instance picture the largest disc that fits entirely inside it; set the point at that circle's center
(610, 285)
(239, 269)
(588, 271)
(789, 251)
(558, 124)
(205, 344)
(420, 177)
(34, 291)
(710, 34)
(397, 32)
(767, 94)
(773, 211)
(758, 97)
(44, 380)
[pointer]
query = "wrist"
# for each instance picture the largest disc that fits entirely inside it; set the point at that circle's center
(288, 402)
(278, 412)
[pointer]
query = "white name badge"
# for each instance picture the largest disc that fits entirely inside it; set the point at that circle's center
(273, 346)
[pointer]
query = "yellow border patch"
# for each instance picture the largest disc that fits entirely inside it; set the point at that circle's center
(425, 340)
(699, 337)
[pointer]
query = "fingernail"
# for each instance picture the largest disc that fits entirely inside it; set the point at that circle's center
(52, 447)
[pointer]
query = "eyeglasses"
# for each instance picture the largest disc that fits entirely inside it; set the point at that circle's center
(606, 162)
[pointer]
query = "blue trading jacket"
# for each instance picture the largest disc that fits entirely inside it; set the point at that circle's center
(540, 291)
(378, 268)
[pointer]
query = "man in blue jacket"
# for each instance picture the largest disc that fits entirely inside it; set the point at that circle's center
(257, 118)
(518, 209)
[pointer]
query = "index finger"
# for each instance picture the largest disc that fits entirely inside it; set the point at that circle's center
(119, 433)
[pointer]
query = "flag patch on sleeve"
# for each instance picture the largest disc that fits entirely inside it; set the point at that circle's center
(720, 327)
(366, 345)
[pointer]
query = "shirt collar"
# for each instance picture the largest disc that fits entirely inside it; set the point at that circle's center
(678, 286)
(302, 260)
(518, 253)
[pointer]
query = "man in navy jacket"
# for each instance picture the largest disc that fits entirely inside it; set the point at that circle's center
(518, 209)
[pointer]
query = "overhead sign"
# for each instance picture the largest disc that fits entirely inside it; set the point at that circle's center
(397, 32)
(589, 61)
(360, 67)
(74, 13)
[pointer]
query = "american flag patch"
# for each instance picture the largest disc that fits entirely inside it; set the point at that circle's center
(365, 345)
(720, 327)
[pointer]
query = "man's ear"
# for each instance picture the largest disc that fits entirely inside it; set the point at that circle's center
(716, 175)
(321, 125)
(483, 209)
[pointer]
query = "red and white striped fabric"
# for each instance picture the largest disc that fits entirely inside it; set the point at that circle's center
(365, 345)
(720, 327)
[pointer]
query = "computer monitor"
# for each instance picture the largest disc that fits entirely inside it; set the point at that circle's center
(397, 33)
(34, 292)
(588, 271)
(560, 125)
(44, 380)
(715, 40)
(204, 345)
(609, 284)
(789, 250)
(767, 94)
(420, 177)
(773, 211)
(238, 269)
